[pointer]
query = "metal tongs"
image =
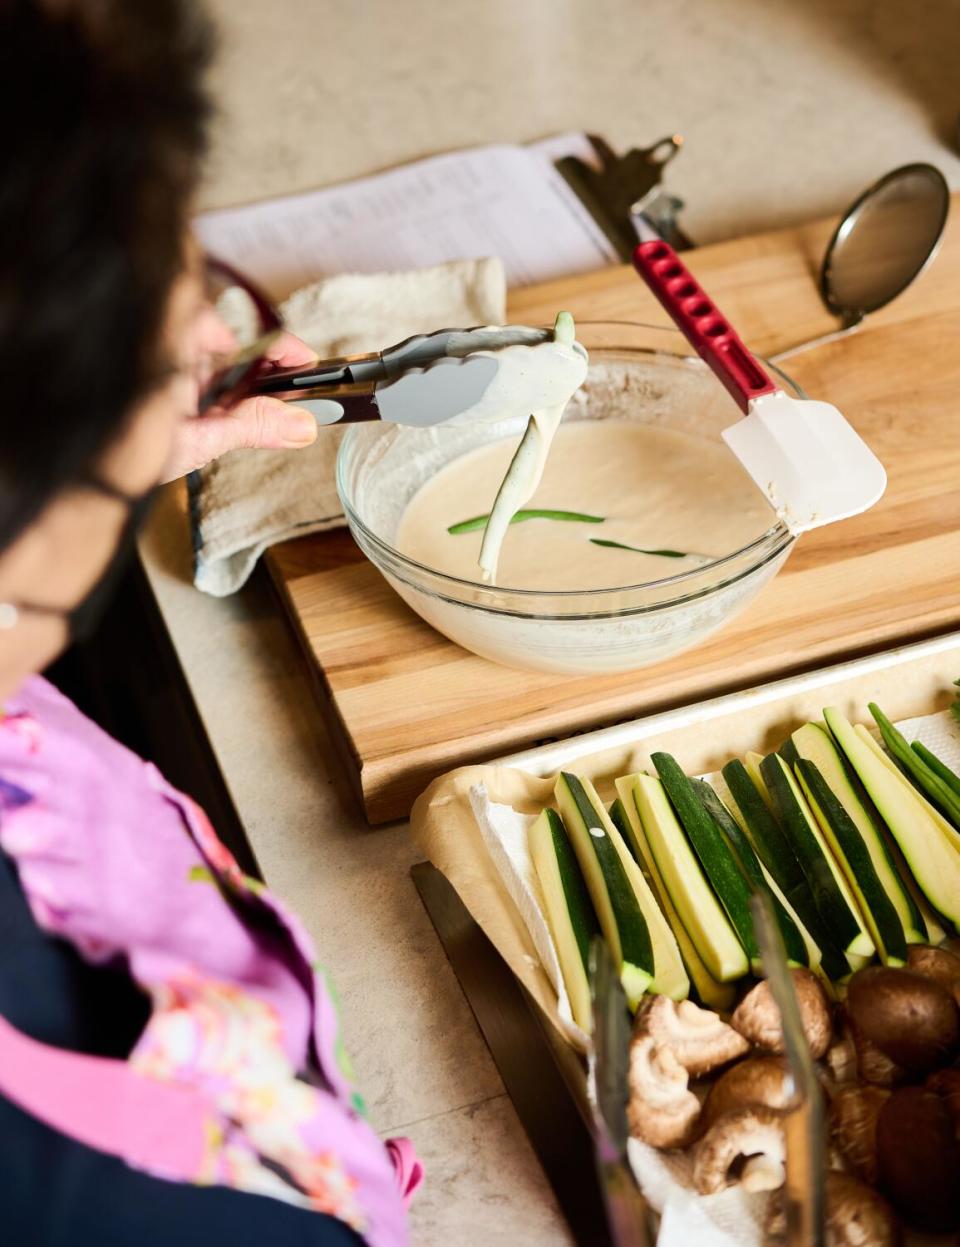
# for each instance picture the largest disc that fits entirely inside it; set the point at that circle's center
(422, 381)
(608, 1063)
(608, 1089)
(804, 1125)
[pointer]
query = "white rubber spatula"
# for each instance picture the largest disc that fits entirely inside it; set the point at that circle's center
(812, 466)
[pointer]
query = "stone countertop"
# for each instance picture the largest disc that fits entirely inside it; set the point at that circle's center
(789, 108)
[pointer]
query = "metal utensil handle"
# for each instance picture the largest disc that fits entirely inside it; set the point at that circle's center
(336, 404)
(608, 1091)
(700, 321)
(804, 1125)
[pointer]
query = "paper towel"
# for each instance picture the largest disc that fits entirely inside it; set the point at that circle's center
(247, 501)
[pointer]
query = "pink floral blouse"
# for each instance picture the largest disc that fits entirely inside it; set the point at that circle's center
(113, 859)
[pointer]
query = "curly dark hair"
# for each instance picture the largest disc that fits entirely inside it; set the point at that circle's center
(106, 117)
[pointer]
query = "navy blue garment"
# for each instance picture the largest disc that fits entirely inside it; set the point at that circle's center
(55, 1192)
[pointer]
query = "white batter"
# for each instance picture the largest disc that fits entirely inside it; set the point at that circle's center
(656, 488)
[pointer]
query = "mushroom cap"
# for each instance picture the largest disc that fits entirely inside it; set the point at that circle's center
(946, 1083)
(938, 964)
(757, 1017)
(874, 1066)
(661, 1110)
(856, 1216)
(755, 1131)
(911, 1019)
(757, 1080)
(854, 1113)
(699, 1038)
(919, 1159)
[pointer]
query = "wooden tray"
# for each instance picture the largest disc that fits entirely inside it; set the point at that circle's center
(405, 704)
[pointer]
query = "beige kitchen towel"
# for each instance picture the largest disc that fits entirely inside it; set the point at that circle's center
(249, 500)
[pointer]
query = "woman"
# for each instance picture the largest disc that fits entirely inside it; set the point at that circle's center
(170, 1069)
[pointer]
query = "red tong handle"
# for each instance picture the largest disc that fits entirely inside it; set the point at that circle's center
(701, 322)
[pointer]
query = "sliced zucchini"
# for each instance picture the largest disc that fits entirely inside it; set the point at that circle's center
(853, 856)
(950, 833)
(931, 920)
(936, 932)
(719, 862)
(814, 743)
(793, 943)
(669, 977)
(618, 816)
(570, 913)
(618, 909)
(752, 763)
(699, 910)
(940, 769)
(832, 895)
(927, 780)
(931, 857)
(772, 847)
(720, 787)
(710, 992)
(814, 952)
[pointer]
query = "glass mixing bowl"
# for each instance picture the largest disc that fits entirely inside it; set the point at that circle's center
(639, 373)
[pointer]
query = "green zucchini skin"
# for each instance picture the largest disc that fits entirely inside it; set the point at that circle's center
(697, 907)
(816, 743)
(618, 816)
(583, 917)
(700, 982)
(777, 854)
(670, 977)
(836, 915)
(930, 854)
(940, 769)
(625, 928)
(878, 909)
(716, 857)
(569, 911)
(743, 850)
(917, 771)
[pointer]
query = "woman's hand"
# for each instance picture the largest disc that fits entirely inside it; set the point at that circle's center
(258, 423)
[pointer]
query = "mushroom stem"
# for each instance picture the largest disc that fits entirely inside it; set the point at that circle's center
(762, 1173)
(751, 1138)
(662, 1110)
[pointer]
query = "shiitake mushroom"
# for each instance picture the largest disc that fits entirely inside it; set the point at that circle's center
(912, 1020)
(946, 1083)
(856, 1216)
(936, 963)
(757, 1080)
(918, 1159)
(757, 1016)
(854, 1113)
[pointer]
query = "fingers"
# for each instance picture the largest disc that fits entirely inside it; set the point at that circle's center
(264, 423)
(259, 423)
(290, 352)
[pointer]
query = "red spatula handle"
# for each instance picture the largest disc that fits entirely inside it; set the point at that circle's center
(701, 322)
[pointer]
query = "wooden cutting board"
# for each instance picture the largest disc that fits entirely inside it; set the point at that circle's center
(405, 704)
